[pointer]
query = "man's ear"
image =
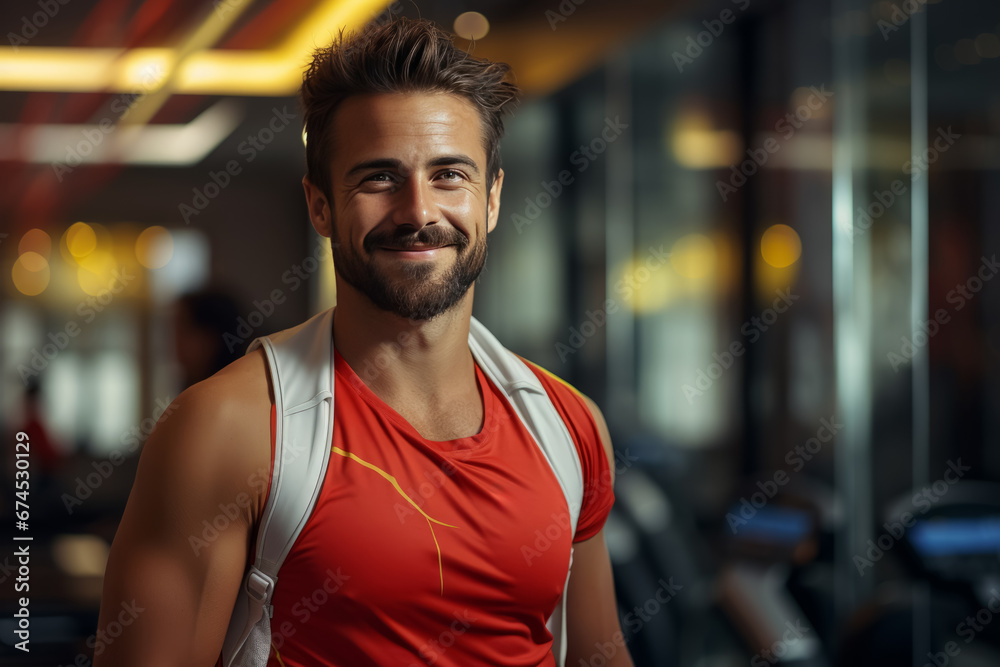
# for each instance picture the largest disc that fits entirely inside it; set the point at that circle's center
(319, 208)
(493, 210)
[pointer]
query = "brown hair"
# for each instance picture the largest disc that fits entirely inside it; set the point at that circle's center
(401, 56)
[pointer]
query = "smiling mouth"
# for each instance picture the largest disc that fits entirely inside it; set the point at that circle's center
(415, 249)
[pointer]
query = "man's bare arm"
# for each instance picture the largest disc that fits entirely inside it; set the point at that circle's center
(591, 607)
(178, 578)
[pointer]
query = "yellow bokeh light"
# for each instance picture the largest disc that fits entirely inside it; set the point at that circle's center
(31, 274)
(35, 240)
(471, 25)
(91, 283)
(697, 145)
(704, 149)
(769, 280)
(646, 287)
(80, 555)
(33, 261)
(154, 247)
(694, 257)
(101, 262)
(81, 239)
(96, 272)
(780, 246)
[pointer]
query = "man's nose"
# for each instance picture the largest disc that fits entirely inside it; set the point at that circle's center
(415, 204)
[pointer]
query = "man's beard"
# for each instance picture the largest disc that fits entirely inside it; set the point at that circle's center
(416, 296)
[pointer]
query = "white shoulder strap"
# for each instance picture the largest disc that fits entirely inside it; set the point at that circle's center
(532, 404)
(300, 362)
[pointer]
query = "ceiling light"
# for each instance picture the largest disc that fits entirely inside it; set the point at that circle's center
(471, 26)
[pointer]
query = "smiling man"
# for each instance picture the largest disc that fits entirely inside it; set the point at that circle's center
(458, 483)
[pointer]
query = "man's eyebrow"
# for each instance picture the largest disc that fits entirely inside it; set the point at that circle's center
(446, 160)
(378, 163)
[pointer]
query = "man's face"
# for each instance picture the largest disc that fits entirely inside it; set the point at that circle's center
(410, 209)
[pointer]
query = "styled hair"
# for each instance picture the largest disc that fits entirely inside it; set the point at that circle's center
(402, 55)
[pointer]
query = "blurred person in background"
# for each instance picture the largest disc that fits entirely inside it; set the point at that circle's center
(47, 458)
(200, 320)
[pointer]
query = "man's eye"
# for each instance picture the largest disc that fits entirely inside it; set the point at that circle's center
(451, 175)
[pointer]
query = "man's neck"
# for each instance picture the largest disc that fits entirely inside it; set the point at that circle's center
(403, 360)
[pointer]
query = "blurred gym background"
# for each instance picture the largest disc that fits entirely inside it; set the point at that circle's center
(761, 234)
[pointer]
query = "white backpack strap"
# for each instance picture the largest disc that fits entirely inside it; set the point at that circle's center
(532, 404)
(300, 362)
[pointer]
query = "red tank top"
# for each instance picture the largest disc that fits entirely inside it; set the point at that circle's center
(422, 552)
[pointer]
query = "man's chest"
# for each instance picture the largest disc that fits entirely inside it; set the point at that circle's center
(405, 522)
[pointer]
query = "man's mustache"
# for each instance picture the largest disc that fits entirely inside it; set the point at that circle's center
(400, 238)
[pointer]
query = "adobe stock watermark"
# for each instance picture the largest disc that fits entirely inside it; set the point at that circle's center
(634, 622)
(967, 630)
(388, 13)
(914, 168)
(752, 329)
(581, 158)
(306, 606)
(899, 16)
(131, 440)
(623, 461)
(923, 501)
(626, 288)
(388, 353)
(293, 277)
(114, 629)
(92, 137)
(797, 458)
(697, 44)
(959, 297)
(249, 148)
(228, 513)
(88, 310)
(787, 126)
(774, 654)
(560, 524)
(565, 10)
(37, 21)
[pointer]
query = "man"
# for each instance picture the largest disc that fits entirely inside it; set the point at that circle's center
(437, 537)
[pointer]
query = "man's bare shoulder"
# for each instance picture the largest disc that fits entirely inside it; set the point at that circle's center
(241, 389)
(243, 383)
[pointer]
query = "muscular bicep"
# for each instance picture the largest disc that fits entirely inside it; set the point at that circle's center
(180, 551)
